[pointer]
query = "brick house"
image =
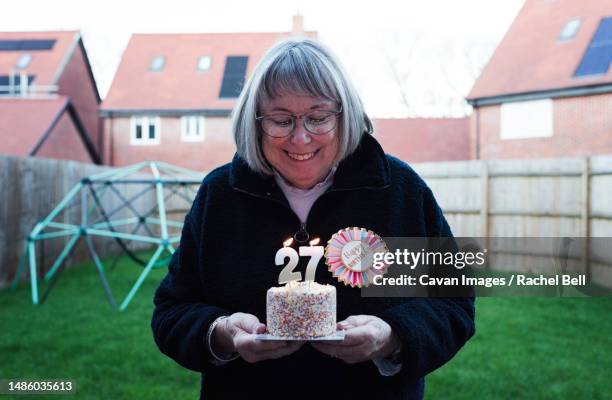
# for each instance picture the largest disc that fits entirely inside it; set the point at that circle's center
(424, 139)
(172, 96)
(48, 97)
(547, 90)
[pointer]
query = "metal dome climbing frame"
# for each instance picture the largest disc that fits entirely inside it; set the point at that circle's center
(91, 195)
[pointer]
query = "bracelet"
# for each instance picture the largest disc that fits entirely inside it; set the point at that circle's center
(231, 356)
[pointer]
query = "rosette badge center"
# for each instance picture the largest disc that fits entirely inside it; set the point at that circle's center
(356, 256)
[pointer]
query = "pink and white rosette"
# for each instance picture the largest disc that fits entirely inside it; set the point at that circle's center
(349, 255)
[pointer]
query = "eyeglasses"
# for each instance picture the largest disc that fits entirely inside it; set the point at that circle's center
(317, 122)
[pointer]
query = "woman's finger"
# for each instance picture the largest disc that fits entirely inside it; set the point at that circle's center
(356, 354)
(330, 349)
(281, 352)
(250, 324)
(325, 348)
(248, 342)
(355, 320)
(350, 354)
(260, 355)
(353, 336)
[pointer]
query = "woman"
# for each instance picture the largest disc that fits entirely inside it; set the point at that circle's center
(306, 165)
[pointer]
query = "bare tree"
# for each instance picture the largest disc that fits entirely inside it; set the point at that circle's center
(400, 74)
(432, 78)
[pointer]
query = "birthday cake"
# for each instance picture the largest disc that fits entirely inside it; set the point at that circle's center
(301, 310)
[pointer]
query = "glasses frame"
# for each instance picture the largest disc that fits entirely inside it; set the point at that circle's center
(294, 118)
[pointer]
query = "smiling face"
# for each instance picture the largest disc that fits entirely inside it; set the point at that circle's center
(302, 158)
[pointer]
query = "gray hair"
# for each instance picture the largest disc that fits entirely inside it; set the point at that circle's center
(301, 66)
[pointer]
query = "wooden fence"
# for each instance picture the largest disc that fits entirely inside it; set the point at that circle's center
(519, 198)
(562, 197)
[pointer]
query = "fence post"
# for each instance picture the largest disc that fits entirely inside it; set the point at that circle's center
(585, 217)
(484, 199)
(484, 203)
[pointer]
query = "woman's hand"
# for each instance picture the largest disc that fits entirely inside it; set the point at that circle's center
(237, 334)
(367, 338)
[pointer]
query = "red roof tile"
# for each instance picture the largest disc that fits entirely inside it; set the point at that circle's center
(531, 57)
(46, 64)
(180, 85)
(23, 122)
(424, 139)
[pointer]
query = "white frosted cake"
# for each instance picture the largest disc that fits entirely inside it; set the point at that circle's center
(301, 309)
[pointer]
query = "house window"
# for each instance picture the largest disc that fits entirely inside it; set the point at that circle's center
(204, 63)
(192, 128)
(598, 56)
(526, 119)
(24, 61)
(13, 84)
(145, 131)
(233, 76)
(157, 64)
(26, 45)
(570, 29)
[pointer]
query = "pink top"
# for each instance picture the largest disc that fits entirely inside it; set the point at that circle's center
(301, 200)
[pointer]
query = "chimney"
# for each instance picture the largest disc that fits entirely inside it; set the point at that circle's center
(298, 25)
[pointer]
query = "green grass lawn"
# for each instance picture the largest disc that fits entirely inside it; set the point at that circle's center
(525, 348)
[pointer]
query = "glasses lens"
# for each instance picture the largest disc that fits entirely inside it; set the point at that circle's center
(320, 122)
(277, 126)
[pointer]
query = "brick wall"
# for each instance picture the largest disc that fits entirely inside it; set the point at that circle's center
(218, 147)
(76, 83)
(582, 126)
(64, 142)
(424, 139)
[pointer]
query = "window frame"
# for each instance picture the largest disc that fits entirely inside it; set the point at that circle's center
(511, 112)
(198, 64)
(200, 124)
(145, 140)
(564, 38)
(21, 64)
(152, 64)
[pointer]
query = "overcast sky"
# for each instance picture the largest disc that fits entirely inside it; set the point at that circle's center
(406, 57)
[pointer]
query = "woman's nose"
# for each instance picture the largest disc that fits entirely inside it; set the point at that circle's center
(300, 135)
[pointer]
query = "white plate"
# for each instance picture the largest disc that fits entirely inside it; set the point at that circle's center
(337, 336)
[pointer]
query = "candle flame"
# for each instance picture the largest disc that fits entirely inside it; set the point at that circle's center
(288, 242)
(315, 241)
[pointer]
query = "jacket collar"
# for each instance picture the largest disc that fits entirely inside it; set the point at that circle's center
(366, 168)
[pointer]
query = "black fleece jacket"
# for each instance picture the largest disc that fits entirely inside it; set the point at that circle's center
(225, 264)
